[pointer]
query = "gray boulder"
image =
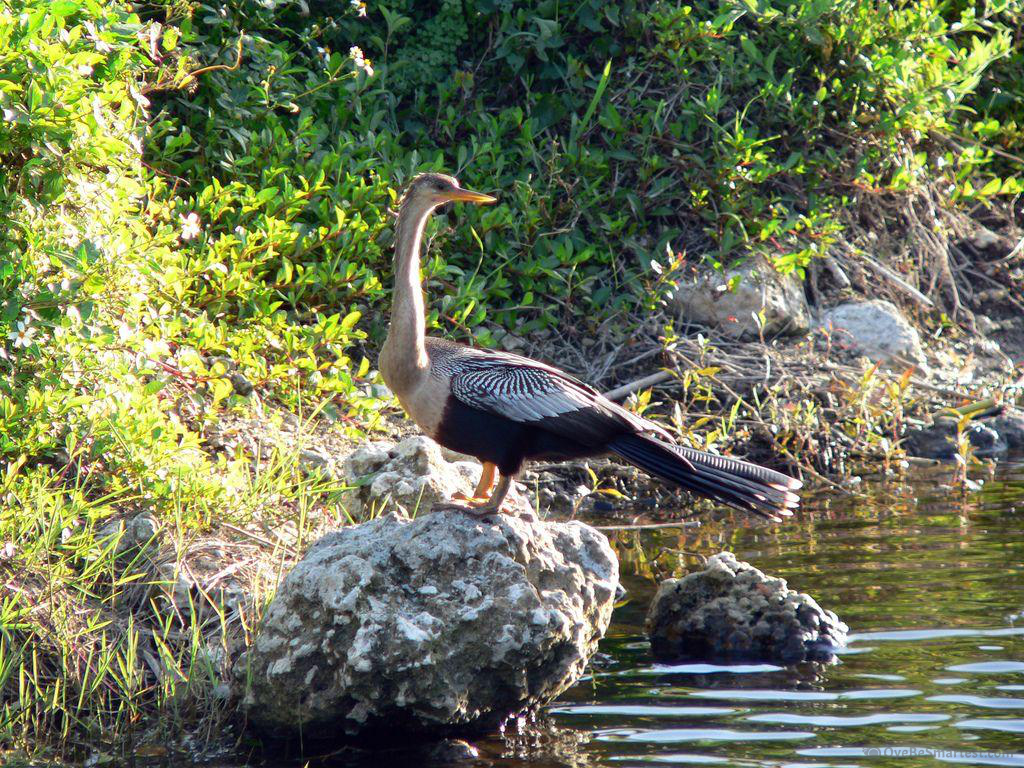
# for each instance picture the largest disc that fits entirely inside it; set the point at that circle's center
(133, 534)
(758, 287)
(1010, 426)
(874, 329)
(411, 476)
(731, 610)
(938, 440)
(431, 625)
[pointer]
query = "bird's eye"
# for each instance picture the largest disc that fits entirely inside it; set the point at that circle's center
(439, 186)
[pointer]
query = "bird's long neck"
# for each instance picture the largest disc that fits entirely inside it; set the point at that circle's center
(404, 350)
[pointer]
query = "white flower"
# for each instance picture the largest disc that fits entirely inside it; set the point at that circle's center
(101, 45)
(359, 7)
(84, 70)
(97, 112)
(23, 336)
(360, 60)
(190, 226)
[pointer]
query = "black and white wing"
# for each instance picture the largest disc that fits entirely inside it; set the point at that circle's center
(531, 392)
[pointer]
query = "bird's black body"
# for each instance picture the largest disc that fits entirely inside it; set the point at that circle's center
(505, 443)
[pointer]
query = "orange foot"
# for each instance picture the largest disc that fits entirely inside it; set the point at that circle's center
(474, 501)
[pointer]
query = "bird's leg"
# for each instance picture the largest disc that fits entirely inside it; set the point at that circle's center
(483, 488)
(488, 507)
(493, 504)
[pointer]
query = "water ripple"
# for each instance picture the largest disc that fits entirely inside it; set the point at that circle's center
(934, 634)
(786, 718)
(988, 667)
(989, 702)
(742, 694)
(889, 752)
(679, 735)
(700, 669)
(641, 710)
(988, 724)
(676, 758)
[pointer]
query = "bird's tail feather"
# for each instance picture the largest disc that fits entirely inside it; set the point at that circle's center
(737, 483)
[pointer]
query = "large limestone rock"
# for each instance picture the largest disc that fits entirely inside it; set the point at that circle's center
(874, 329)
(757, 287)
(428, 625)
(731, 610)
(411, 476)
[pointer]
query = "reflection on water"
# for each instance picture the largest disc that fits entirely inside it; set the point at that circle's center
(930, 583)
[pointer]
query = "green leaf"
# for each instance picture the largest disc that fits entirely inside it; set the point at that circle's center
(991, 188)
(220, 389)
(266, 195)
(351, 319)
(750, 49)
(170, 39)
(63, 8)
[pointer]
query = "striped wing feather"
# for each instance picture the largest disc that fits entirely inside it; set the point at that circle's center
(528, 391)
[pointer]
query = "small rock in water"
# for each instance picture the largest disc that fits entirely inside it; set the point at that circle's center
(938, 441)
(451, 752)
(1010, 426)
(434, 625)
(731, 610)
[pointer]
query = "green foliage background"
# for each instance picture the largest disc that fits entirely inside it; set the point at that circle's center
(611, 131)
(624, 139)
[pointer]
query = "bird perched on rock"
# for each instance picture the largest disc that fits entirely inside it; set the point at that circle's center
(505, 409)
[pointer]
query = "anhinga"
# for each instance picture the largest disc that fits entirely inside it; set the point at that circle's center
(505, 409)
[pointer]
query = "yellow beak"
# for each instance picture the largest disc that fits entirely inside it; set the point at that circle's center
(469, 196)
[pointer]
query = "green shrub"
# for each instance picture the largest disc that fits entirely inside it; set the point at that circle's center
(715, 130)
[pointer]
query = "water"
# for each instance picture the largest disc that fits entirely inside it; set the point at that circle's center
(932, 586)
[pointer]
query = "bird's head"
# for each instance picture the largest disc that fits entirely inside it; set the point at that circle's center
(430, 190)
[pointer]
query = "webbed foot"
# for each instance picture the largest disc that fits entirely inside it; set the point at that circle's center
(481, 510)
